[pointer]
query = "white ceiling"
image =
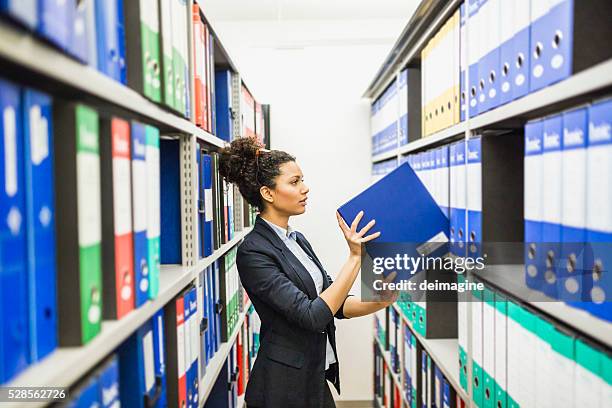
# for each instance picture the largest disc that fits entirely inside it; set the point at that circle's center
(244, 10)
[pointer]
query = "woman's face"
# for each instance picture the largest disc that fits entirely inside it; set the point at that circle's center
(289, 196)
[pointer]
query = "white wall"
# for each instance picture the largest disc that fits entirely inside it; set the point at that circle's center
(313, 74)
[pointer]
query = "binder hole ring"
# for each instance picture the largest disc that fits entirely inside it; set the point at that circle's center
(505, 69)
(487, 394)
(499, 404)
(532, 251)
(473, 91)
(520, 60)
(557, 39)
(598, 295)
(550, 259)
(449, 105)
(532, 271)
(537, 52)
(481, 84)
(462, 96)
(597, 270)
(571, 263)
(492, 77)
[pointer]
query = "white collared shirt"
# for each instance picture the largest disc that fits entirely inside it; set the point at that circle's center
(289, 238)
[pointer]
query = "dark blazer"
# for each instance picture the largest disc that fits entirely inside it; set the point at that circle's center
(290, 368)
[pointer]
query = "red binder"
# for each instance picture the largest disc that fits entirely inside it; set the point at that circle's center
(118, 283)
(198, 65)
(240, 362)
(124, 263)
(174, 327)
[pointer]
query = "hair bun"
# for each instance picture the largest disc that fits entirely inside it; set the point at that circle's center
(235, 160)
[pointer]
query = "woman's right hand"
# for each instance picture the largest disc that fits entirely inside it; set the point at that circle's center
(355, 238)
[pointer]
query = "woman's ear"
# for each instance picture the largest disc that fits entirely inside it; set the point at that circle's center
(266, 194)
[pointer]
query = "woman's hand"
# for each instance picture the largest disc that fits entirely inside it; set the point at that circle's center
(353, 238)
(387, 296)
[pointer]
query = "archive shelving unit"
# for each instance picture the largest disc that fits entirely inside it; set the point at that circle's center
(31, 61)
(580, 88)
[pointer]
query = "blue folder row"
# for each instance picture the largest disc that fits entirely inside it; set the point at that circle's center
(384, 120)
(208, 291)
(384, 167)
(568, 226)
(28, 305)
(522, 47)
(90, 31)
(101, 389)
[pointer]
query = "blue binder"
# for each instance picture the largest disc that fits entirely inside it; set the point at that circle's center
(139, 182)
(407, 203)
(170, 192)
(14, 350)
(463, 44)
(122, 64)
(79, 41)
(109, 383)
(108, 30)
(474, 215)
(461, 224)
(551, 45)
(599, 235)
(533, 207)
(223, 99)
(193, 369)
(209, 301)
(551, 202)
(159, 350)
(573, 221)
(522, 53)
(206, 324)
(54, 23)
(23, 11)
(473, 8)
(208, 205)
(488, 96)
(87, 395)
(506, 66)
(200, 201)
(438, 388)
(407, 366)
(137, 368)
(40, 221)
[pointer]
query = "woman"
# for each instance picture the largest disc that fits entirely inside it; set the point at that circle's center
(295, 298)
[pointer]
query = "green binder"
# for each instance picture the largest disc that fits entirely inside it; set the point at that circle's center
(153, 208)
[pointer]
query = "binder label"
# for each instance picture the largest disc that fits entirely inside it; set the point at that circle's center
(121, 196)
(39, 135)
(10, 151)
(149, 366)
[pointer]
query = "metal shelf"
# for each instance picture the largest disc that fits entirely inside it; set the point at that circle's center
(53, 70)
(444, 352)
(391, 154)
(427, 19)
(511, 280)
(440, 137)
(205, 262)
(434, 139)
(397, 378)
(216, 363)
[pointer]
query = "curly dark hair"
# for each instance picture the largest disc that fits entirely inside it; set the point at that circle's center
(238, 163)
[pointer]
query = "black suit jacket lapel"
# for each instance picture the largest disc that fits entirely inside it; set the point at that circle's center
(300, 272)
